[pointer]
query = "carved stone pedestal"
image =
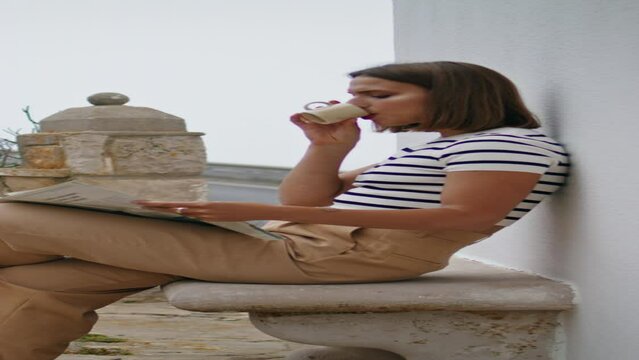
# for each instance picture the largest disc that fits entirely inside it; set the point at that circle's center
(140, 151)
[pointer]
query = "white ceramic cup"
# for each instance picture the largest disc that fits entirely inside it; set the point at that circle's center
(326, 113)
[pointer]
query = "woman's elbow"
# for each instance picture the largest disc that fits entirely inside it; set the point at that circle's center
(474, 220)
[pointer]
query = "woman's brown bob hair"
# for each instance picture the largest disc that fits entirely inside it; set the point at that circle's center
(464, 96)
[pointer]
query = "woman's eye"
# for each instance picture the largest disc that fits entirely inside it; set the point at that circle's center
(380, 96)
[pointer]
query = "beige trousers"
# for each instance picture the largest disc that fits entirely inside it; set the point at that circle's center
(58, 265)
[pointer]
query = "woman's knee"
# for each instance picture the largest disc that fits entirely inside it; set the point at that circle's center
(11, 257)
(77, 276)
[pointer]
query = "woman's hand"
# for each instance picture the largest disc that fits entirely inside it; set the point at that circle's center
(345, 133)
(212, 211)
(315, 180)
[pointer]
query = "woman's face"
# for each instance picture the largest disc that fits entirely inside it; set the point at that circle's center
(390, 103)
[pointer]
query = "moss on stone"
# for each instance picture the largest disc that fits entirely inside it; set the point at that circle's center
(99, 338)
(100, 351)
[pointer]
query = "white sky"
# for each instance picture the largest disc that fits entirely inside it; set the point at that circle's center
(232, 69)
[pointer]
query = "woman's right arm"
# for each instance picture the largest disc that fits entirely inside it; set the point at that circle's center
(316, 180)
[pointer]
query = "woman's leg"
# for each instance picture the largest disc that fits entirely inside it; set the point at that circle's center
(45, 306)
(158, 246)
(109, 257)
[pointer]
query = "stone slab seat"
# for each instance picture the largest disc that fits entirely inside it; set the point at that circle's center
(469, 310)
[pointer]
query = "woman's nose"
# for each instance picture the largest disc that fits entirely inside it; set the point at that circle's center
(357, 102)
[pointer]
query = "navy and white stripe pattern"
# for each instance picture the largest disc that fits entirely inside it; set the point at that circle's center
(414, 177)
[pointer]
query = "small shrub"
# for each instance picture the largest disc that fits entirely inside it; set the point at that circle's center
(9, 154)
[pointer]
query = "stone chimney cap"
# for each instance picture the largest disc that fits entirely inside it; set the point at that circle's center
(110, 114)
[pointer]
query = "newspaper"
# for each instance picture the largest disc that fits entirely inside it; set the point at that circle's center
(80, 195)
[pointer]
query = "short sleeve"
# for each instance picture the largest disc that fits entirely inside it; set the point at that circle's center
(496, 154)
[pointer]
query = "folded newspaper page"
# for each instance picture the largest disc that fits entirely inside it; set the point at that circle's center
(81, 195)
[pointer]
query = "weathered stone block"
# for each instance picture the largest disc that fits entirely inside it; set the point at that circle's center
(85, 154)
(160, 188)
(38, 139)
(137, 155)
(18, 171)
(43, 157)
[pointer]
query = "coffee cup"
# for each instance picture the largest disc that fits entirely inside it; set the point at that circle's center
(326, 113)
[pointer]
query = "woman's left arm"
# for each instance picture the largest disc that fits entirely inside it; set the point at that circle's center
(470, 200)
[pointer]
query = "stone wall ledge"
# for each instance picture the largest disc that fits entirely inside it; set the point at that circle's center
(53, 138)
(141, 177)
(246, 174)
(27, 172)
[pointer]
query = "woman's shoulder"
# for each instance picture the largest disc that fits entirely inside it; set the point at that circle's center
(508, 136)
(505, 149)
(504, 138)
(507, 132)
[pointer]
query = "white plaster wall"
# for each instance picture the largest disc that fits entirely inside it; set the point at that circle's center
(576, 63)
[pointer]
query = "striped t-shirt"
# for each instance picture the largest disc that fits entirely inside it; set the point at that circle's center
(414, 177)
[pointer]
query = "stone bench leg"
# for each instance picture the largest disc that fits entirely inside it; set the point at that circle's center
(428, 335)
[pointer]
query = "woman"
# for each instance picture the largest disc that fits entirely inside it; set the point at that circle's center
(395, 219)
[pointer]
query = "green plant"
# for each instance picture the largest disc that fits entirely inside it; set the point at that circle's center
(100, 338)
(99, 351)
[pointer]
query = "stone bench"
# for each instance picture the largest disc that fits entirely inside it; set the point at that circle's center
(469, 310)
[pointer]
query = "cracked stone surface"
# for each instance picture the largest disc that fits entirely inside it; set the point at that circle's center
(155, 330)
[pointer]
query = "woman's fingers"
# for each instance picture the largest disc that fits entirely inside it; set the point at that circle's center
(212, 211)
(183, 208)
